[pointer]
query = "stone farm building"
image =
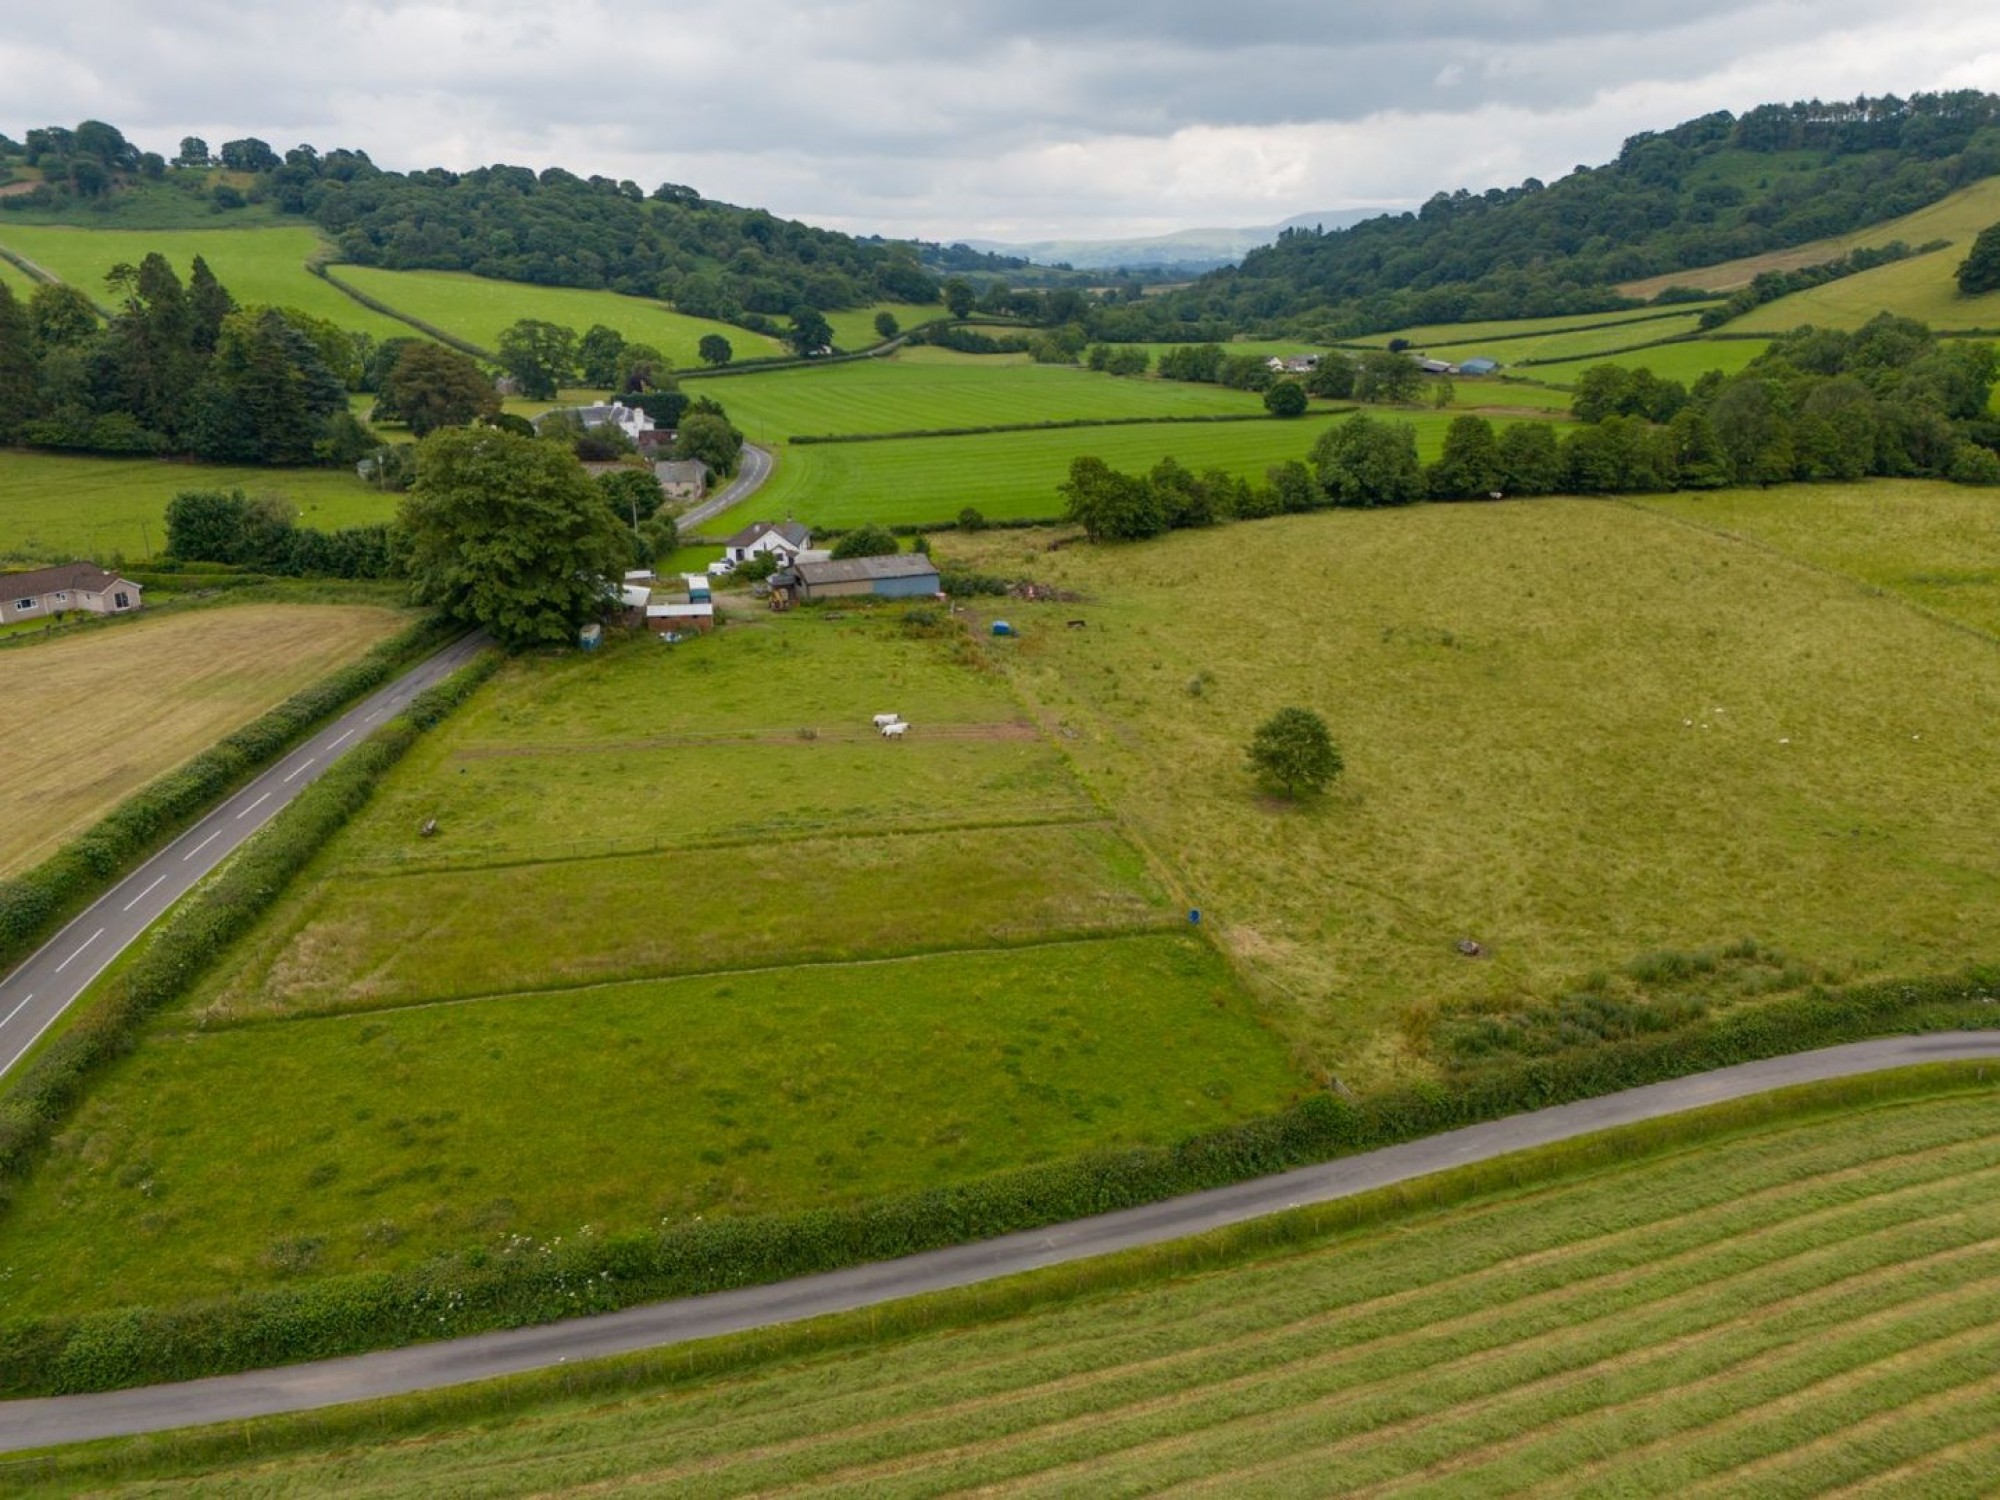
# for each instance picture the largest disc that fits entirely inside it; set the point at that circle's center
(902, 575)
(682, 478)
(48, 592)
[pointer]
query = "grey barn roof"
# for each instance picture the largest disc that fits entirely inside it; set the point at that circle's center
(680, 471)
(79, 577)
(854, 569)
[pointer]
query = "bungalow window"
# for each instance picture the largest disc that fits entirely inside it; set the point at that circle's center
(121, 600)
(61, 597)
(24, 604)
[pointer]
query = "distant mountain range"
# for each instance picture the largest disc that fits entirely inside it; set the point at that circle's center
(1191, 250)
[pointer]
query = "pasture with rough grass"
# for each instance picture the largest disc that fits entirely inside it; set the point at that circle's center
(257, 265)
(1686, 361)
(691, 938)
(95, 716)
(1801, 1306)
(1577, 732)
(1558, 344)
(58, 506)
(477, 309)
(1013, 475)
(1637, 322)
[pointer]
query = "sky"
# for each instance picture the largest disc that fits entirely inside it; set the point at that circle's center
(1028, 120)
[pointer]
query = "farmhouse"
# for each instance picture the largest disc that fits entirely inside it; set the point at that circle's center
(627, 419)
(903, 575)
(48, 592)
(682, 479)
(783, 542)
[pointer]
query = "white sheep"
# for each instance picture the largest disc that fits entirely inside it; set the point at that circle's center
(894, 731)
(883, 721)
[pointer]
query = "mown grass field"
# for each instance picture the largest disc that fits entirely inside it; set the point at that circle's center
(1509, 331)
(1958, 217)
(1924, 287)
(1013, 475)
(1686, 362)
(54, 507)
(18, 281)
(1576, 732)
(1562, 343)
(264, 265)
(1934, 544)
(854, 328)
(93, 717)
(929, 388)
(477, 309)
(1803, 1307)
(836, 966)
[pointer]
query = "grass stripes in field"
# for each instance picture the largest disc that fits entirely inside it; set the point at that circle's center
(1806, 1306)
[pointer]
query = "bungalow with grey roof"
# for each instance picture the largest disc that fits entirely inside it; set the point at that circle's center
(48, 592)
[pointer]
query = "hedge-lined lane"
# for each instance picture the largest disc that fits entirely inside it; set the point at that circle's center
(37, 993)
(47, 1422)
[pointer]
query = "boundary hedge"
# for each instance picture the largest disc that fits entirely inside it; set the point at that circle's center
(38, 1100)
(1053, 424)
(35, 901)
(479, 1290)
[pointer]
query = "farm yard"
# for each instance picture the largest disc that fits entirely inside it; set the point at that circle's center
(1801, 1305)
(1579, 733)
(93, 717)
(691, 902)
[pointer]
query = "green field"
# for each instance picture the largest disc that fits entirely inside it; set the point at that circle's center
(854, 328)
(1803, 1307)
(716, 946)
(1014, 474)
(1933, 544)
(1958, 217)
(1509, 332)
(1577, 732)
(1686, 362)
(928, 388)
(256, 265)
(476, 309)
(1562, 344)
(19, 282)
(1924, 287)
(57, 506)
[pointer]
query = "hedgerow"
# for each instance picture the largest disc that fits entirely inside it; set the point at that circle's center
(522, 1281)
(33, 902)
(40, 1098)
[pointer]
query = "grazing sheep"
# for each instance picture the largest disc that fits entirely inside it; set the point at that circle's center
(894, 731)
(883, 721)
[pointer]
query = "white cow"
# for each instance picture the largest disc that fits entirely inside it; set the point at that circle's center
(894, 731)
(883, 721)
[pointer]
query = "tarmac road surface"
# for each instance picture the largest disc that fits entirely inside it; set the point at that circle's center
(66, 1419)
(42, 988)
(755, 469)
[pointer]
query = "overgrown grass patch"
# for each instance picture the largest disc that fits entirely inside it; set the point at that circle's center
(207, 1161)
(1575, 733)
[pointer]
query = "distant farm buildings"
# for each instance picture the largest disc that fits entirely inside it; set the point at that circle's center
(682, 478)
(48, 592)
(901, 575)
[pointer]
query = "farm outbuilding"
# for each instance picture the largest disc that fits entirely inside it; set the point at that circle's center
(902, 575)
(681, 619)
(1479, 364)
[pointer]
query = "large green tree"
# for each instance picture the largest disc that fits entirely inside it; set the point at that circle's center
(508, 532)
(1363, 461)
(540, 356)
(17, 365)
(1294, 748)
(1980, 271)
(430, 386)
(1108, 505)
(809, 333)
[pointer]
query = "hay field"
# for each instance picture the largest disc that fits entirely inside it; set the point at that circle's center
(1957, 217)
(854, 328)
(1686, 362)
(93, 717)
(477, 309)
(56, 506)
(1506, 330)
(1923, 287)
(1576, 732)
(1564, 343)
(1804, 1307)
(257, 265)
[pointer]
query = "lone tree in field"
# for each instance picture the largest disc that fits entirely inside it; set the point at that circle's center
(1294, 749)
(714, 350)
(508, 532)
(1980, 271)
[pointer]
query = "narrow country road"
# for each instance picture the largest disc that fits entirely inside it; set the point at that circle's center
(68, 1419)
(756, 468)
(42, 988)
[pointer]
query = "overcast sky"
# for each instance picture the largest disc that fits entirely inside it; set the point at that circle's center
(1027, 119)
